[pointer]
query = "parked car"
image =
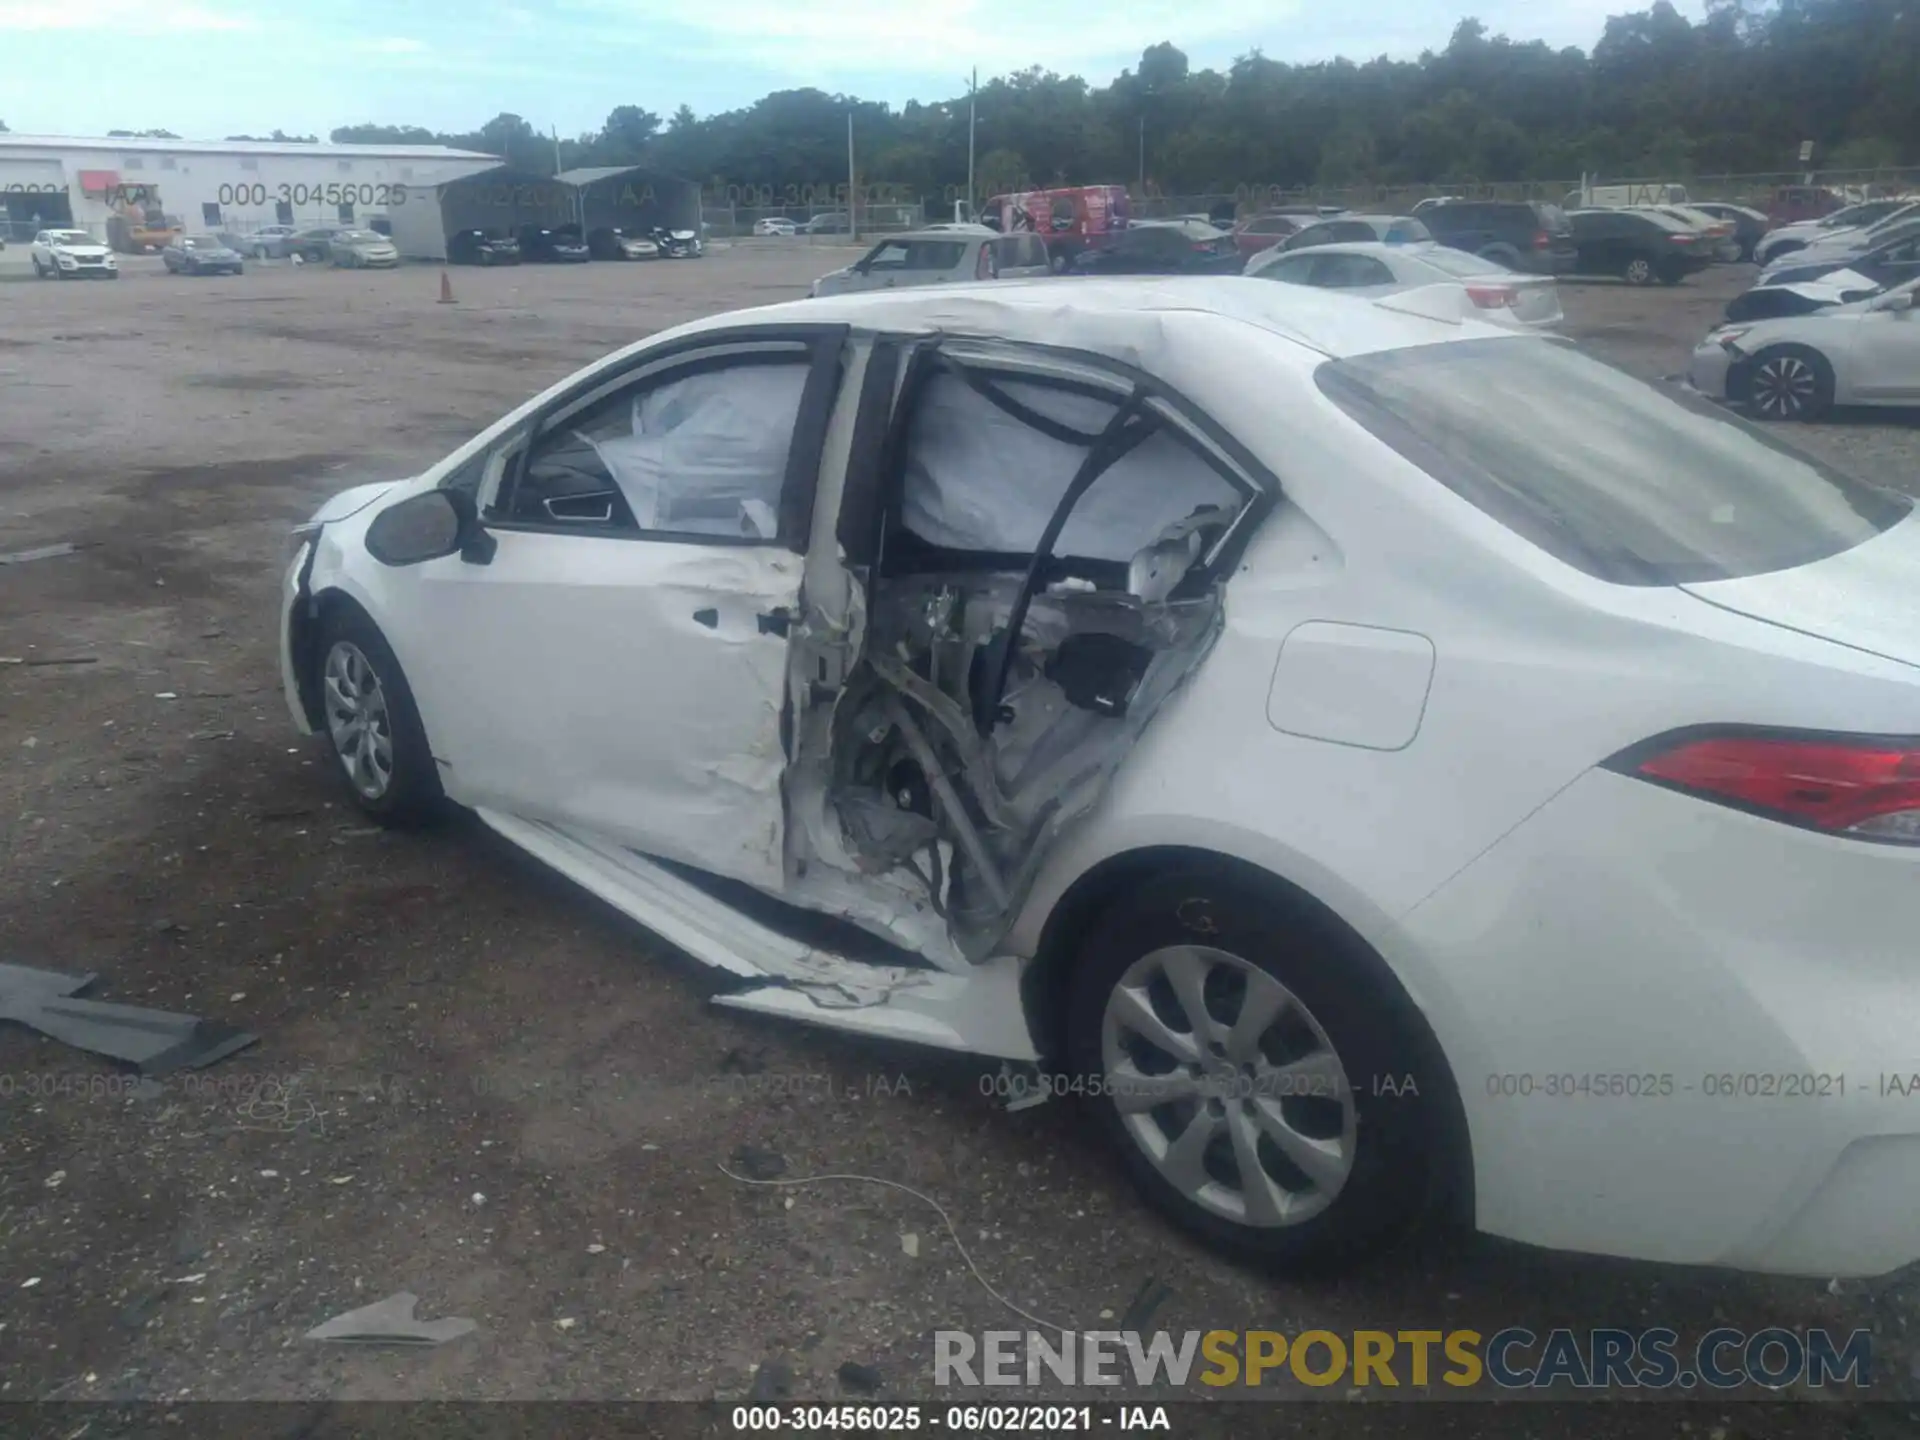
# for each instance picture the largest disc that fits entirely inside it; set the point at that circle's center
(1071, 219)
(1406, 700)
(1893, 261)
(1263, 232)
(552, 247)
(1163, 247)
(1748, 224)
(1845, 247)
(482, 247)
(269, 242)
(1801, 297)
(1520, 234)
(71, 254)
(940, 257)
(363, 250)
(313, 244)
(201, 255)
(1640, 246)
(1347, 229)
(609, 242)
(1788, 238)
(1717, 234)
(1799, 367)
(775, 225)
(833, 222)
(1795, 204)
(1480, 288)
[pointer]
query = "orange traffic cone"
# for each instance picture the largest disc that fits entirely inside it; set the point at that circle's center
(446, 289)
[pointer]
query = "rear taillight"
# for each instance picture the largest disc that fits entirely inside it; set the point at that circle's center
(1868, 787)
(1491, 297)
(1542, 240)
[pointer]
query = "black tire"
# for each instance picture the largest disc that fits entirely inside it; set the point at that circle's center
(1398, 1164)
(1787, 382)
(412, 795)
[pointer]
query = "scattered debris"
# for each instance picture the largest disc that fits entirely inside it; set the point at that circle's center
(758, 1164)
(742, 1062)
(156, 1042)
(165, 695)
(596, 1249)
(53, 1180)
(772, 1381)
(30, 1283)
(910, 1245)
(1151, 1295)
(565, 1323)
(477, 1200)
(167, 927)
(44, 552)
(33, 660)
(193, 1279)
(862, 1378)
(391, 1322)
(339, 1179)
(212, 735)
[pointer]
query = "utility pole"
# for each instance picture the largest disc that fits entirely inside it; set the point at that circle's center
(853, 209)
(1143, 154)
(973, 88)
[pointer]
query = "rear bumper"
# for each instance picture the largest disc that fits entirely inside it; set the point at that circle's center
(1685, 1034)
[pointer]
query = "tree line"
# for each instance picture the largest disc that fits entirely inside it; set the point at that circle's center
(1737, 91)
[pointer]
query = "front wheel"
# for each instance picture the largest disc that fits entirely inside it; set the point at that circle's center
(1789, 382)
(372, 724)
(1266, 1085)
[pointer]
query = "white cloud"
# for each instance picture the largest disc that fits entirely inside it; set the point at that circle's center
(832, 37)
(119, 16)
(393, 45)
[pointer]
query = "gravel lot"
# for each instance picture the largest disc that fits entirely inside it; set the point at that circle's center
(474, 1083)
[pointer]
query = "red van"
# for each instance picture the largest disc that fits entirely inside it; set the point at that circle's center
(1079, 218)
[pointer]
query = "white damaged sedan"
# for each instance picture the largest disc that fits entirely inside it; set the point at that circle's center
(1372, 801)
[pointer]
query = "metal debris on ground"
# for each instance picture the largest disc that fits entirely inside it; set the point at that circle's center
(156, 1042)
(43, 552)
(758, 1164)
(31, 661)
(1151, 1295)
(391, 1322)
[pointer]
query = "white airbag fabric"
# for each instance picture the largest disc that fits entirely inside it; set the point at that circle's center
(980, 479)
(714, 436)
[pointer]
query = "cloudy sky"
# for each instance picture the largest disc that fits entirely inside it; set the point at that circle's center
(206, 68)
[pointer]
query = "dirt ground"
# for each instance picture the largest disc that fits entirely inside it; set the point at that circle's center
(473, 1083)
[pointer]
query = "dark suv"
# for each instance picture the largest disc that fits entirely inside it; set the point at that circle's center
(1520, 234)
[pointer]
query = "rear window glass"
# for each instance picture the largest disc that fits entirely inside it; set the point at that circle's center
(1407, 232)
(1630, 483)
(918, 255)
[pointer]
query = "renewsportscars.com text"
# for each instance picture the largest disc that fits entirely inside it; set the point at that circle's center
(1514, 1358)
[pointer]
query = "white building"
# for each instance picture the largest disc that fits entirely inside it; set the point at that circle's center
(234, 185)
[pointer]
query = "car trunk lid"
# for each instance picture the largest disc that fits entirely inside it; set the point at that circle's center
(1866, 598)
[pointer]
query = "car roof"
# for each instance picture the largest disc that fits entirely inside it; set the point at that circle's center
(1128, 319)
(949, 236)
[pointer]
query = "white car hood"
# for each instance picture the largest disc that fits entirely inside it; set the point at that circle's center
(1867, 598)
(352, 501)
(1829, 287)
(81, 252)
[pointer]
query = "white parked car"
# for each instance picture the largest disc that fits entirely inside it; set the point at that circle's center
(1798, 236)
(1473, 287)
(1798, 367)
(1412, 765)
(71, 254)
(775, 225)
(940, 257)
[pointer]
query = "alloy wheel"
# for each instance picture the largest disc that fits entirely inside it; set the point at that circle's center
(1229, 1086)
(1639, 271)
(358, 720)
(1783, 387)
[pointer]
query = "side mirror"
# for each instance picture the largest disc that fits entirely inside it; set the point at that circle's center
(428, 526)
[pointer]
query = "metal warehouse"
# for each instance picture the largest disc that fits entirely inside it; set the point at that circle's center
(234, 185)
(503, 200)
(633, 199)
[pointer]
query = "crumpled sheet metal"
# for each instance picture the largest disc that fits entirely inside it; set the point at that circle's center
(391, 1322)
(156, 1042)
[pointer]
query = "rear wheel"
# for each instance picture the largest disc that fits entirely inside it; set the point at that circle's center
(1638, 271)
(1267, 1088)
(372, 724)
(1789, 382)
